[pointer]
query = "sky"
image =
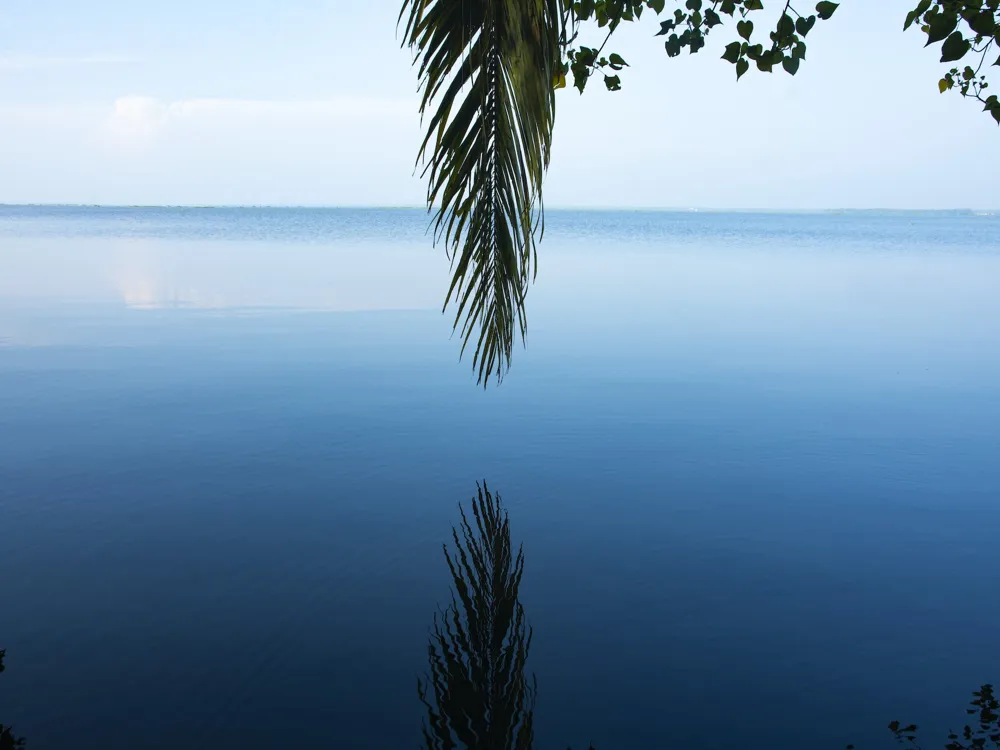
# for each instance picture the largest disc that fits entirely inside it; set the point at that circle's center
(314, 102)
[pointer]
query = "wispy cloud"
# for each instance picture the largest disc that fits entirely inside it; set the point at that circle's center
(32, 62)
(141, 118)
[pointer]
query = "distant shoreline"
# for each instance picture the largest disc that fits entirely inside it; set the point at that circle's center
(552, 209)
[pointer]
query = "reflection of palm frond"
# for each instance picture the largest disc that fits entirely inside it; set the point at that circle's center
(486, 153)
(482, 699)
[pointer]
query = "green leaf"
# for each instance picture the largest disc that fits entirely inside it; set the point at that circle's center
(732, 53)
(825, 9)
(728, 7)
(693, 5)
(943, 85)
(940, 26)
(742, 66)
(616, 62)
(791, 65)
(614, 83)
(799, 51)
(916, 13)
(804, 25)
(753, 5)
(745, 29)
(984, 23)
(672, 46)
(666, 27)
(712, 18)
(786, 26)
(954, 47)
(656, 5)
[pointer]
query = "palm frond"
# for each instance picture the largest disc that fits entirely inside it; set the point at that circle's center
(486, 69)
(482, 699)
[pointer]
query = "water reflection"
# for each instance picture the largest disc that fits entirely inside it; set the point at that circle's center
(152, 273)
(478, 694)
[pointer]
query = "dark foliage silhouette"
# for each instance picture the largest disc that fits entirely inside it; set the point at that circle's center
(979, 735)
(7, 739)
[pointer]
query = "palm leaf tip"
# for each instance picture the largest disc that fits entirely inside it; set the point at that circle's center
(485, 69)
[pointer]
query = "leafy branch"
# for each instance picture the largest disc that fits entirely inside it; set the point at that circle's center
(688, 28)
(963, 28)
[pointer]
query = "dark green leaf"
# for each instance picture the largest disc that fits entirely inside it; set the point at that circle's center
(940, 26)
(954, 47)
(666, 27)
(728, 7)
(804, 25)
(732, 53)
(693, 4)
(825, 9)
(745, 29)
(916, 13)
(790, 64)
(983, 23)
(614, 83)
(656, 5)
(786, 26)
(742, 66)
(753, 5)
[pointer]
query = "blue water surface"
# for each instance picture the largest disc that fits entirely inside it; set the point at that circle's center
(753, 459)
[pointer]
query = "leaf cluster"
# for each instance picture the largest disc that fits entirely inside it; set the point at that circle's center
(688, 27)
(964, 29)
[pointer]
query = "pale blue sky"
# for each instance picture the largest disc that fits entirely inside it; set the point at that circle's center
(312, 102)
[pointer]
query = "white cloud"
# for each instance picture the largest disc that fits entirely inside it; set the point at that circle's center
(31, 62)
(138, 149)
(139, 117)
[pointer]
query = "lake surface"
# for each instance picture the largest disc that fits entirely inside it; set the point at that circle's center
(754, 460)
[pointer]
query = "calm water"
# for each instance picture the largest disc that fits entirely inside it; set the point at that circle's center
(754, 461)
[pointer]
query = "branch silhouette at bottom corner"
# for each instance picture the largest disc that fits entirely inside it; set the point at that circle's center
(7, 739)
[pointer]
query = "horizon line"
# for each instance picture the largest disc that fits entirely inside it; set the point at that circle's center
(411, 207)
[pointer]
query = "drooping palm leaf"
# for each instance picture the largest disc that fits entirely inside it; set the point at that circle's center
(486, 69)
(481, 697)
